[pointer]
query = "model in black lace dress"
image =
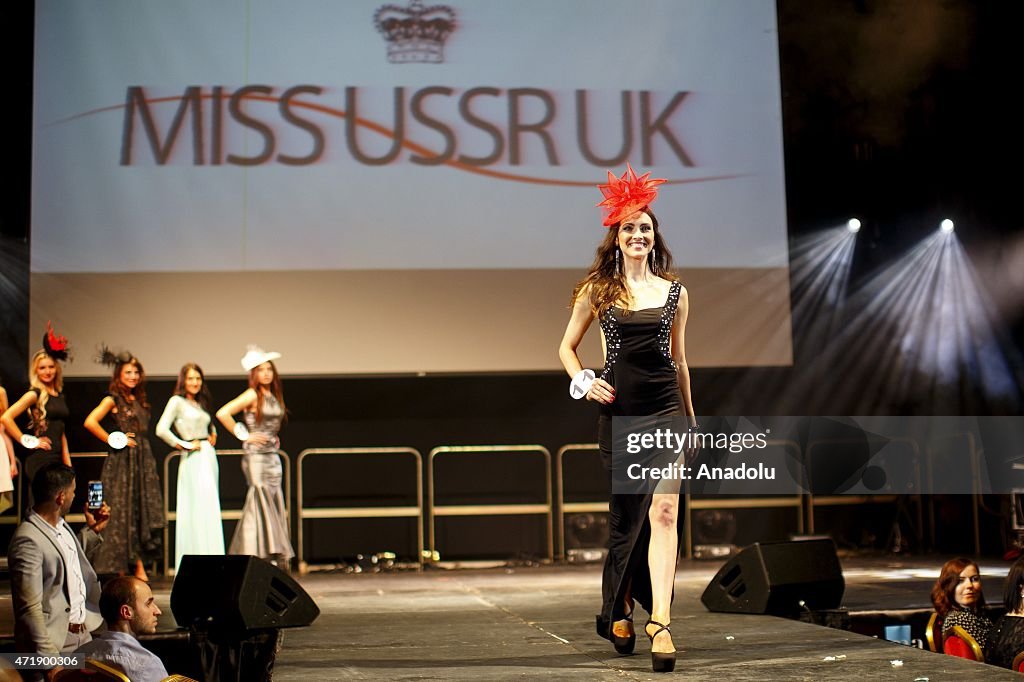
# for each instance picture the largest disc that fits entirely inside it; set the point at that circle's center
(130, 483)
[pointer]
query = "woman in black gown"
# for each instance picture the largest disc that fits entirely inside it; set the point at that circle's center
(47, 409)
(1006, 638)
(130, 481)
(642, 309)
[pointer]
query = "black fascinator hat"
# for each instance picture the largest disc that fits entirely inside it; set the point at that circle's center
(110, 358)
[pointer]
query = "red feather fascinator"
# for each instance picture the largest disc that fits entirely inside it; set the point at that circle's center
(627, 195)
(55, 345)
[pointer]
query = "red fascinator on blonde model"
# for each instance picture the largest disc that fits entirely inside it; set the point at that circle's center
(55, 345)
(627, 195)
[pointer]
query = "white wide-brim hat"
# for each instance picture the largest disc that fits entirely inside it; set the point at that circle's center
(256, 356)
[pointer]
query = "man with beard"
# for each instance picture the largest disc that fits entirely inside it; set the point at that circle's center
(54, 587)
(128, 607)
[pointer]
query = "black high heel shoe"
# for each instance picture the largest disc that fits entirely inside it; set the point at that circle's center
(624, 645)
(660, 662)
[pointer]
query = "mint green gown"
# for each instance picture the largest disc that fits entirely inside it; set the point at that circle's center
(198, 528)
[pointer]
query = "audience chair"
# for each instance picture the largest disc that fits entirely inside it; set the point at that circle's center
(8, 673)
(960, 644)
(94, 671)
(933, 633)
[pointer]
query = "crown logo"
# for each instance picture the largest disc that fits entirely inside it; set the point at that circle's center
(415, 33)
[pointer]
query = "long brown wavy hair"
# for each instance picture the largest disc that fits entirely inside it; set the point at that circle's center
(139, 392)
(37, 415)
(203, 398)
(944, 591)
(275, 389)
(606, 279)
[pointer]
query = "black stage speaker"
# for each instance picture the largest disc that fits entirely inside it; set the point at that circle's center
(238, 593)
(775, 577)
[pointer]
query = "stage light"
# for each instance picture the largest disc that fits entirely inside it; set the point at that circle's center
(946, 226)
(853, 225)
(819, 276)
(920, 330)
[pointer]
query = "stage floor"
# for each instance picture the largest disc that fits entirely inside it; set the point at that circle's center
(529, 623)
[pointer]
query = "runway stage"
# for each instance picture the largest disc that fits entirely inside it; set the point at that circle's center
(532, 623)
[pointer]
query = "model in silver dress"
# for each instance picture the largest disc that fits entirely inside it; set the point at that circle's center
(263, 528)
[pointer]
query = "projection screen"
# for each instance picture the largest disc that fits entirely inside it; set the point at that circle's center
(393, 188)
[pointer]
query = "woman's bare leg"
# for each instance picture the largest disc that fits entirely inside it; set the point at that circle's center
(661, 560)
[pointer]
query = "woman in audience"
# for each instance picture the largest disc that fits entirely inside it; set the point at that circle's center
(958, 599)
(1006, 639)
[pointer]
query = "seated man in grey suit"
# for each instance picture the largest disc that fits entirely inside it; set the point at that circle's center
(128, 607)
(53, 586)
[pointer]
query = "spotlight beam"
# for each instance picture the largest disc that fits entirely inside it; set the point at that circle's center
(856, 352)
(820, 275)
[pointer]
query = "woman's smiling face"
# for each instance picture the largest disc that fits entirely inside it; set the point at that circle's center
(636, 235)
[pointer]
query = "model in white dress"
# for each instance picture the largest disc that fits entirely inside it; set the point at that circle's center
(198, 529)
(6, 482)
(6, 462)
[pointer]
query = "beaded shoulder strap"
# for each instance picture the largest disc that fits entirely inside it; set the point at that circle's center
(668, 316)
(612, 340)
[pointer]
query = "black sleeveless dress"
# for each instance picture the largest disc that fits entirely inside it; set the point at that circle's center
(638, 364)
(52, 427)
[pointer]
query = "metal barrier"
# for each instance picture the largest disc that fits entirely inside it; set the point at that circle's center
(562, 507)
(881, 498)
(768, 502)
(490, 509)
(690, 504)
(360, 512)
(229, 515)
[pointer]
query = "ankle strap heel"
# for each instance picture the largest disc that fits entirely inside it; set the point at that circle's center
(660, 662)
(624, 645)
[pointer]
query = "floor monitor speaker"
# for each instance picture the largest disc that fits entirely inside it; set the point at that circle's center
(238, 593)
(778, 578)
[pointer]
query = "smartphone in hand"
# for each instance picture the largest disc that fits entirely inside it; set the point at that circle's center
(95, 500)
